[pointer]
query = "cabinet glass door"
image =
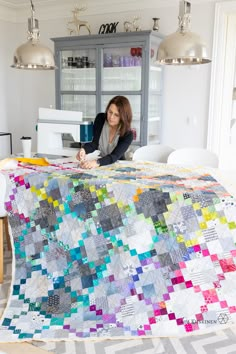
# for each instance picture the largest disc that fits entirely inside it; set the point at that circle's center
(121, 69)
(82, 103)
(155, 94)
(78, 70)
(135, 102)
(78, 81)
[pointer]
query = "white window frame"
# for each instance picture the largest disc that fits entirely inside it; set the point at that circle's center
(222, 78)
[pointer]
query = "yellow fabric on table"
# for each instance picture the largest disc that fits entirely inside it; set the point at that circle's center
(10, 163)
(40, 161)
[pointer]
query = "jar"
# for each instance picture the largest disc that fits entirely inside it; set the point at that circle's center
(69, 61)
(107, 60)
(115, 60)
(134, 131)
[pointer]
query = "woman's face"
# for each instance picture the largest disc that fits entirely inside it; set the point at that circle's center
(113, 116)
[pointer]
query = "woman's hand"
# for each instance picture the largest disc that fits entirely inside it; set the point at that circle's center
(81, 154)
(89, 164)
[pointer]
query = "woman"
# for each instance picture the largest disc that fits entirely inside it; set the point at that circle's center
(112, 134)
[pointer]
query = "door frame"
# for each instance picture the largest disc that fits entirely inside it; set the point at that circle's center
(222, 77)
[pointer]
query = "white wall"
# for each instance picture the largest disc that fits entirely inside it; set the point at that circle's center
(186, 90)
(6, 31)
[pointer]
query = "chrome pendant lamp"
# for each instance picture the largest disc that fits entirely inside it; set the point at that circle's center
(32, 55)
(183, 47)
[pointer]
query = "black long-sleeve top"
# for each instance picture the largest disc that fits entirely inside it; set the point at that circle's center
(121, 147)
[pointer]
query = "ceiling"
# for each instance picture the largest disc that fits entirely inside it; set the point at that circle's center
(22, 3)
(16, 11)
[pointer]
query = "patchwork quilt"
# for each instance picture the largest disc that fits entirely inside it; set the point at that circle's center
(127, 250)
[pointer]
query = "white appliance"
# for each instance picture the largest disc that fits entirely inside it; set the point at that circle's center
(60, 133)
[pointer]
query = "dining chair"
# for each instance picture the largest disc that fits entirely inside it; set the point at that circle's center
(155, 152)
(193, 157)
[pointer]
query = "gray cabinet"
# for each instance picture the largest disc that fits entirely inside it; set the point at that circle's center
(94, 68)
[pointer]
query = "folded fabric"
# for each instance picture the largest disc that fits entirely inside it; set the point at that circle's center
(40, 161)
(12, 163)
(8, 164)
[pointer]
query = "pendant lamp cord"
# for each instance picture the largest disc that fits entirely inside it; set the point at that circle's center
(33, 26)
(32, 6)
(184, 16)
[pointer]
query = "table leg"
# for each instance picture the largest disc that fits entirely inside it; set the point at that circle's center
(11, 143)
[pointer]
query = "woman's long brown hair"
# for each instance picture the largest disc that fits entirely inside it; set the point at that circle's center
(124, 108)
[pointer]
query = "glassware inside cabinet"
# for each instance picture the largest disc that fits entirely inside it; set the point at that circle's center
(155, 97)
(154, 107)
(154, 118)
(154, 112)
(82, 103)
(154, 129)
(155, 78)
(78, 72)
(135, 102)
(155, 73)
(122, 69)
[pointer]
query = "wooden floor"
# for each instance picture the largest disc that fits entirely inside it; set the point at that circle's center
(20, 348)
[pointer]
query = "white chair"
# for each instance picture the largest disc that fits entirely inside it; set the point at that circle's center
(157, 153)
(193, 157)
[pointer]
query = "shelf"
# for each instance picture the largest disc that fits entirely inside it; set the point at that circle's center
(155, 68)
(76, 70)
(155, 92)
(153, 141)
(124, 68)
(154, 119)
(110, 68)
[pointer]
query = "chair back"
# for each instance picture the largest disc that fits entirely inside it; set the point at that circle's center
(193, 157)
(157, 153)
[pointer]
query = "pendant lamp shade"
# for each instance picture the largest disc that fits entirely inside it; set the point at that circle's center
(32, 54)
(183, 47)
